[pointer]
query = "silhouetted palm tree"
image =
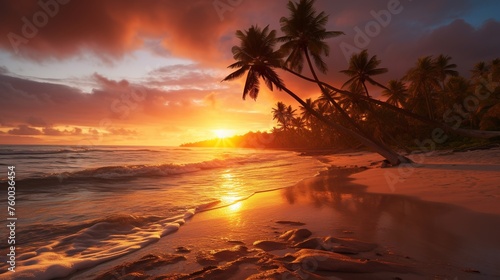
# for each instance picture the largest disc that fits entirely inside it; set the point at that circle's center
(283, 115)
(486, 78)
(444, 69)
(256, 56)
(424, 82)
(299, 124)
(455, 90)
(304, 37)
(305, 112)
(396, 93)
(354, 105)
(361, 69)
(480, 71)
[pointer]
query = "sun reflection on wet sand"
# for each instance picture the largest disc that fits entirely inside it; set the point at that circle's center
(434, 238)
(235, 206)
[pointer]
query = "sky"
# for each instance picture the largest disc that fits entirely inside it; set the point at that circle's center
(123, 72)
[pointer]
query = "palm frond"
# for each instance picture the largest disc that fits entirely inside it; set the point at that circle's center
(251, 85)
(320, 64)
(236, 74)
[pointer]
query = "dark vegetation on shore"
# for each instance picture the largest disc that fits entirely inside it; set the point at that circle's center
(449, 102)
(430, 107)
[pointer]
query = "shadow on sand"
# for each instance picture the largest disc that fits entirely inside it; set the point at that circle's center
(430, 232)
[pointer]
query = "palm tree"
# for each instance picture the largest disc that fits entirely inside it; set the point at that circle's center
(353, 105)
(424, 81)
(304, 37)
(486, 77)
(444, 69)
(361, 69)
(256, 56)
(455, 91)
(290, 115)
(480, 71)
(396, 93)
(304, 111)
(299, 124)
(280, 114)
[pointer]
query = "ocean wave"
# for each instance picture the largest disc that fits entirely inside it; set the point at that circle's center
(76, 150)
(130, 172)
(89, 243)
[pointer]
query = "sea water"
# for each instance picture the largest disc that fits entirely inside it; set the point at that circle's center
(77, 207)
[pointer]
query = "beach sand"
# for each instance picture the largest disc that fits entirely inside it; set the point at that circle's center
(469, 179)
(439, 220)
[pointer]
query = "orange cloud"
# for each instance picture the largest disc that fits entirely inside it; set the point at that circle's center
(111, 28)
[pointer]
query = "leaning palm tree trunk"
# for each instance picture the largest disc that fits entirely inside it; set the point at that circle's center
(472, 133)
(361, 133)
(328, 97)
(394, 158)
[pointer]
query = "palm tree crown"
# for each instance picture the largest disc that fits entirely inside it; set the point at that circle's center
(480, 71)
(361, 68)
(423, 84)
(396, 93)
(444, 68)
(284, 115)
(305, 32)
(256, 55)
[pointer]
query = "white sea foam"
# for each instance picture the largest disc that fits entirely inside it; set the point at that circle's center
(144, 193)
(104, 240)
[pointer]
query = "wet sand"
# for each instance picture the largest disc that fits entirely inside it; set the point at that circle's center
(334, 227)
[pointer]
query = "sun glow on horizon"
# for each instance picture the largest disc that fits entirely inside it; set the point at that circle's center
(223, 133)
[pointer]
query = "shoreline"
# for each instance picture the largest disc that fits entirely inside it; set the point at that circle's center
(332, 205)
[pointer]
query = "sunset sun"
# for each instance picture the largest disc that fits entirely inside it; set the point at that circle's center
(222, 133)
